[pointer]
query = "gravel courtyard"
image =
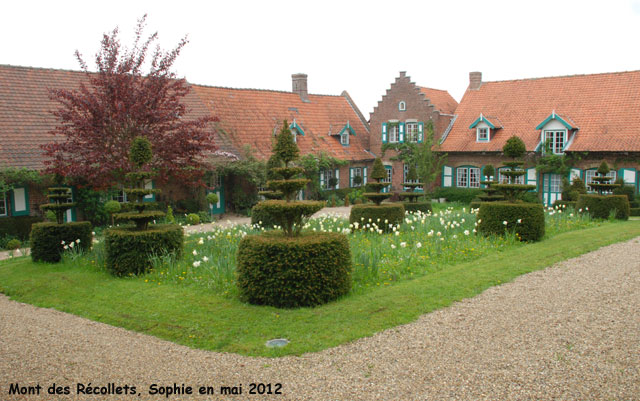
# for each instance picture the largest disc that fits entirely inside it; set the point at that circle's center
(570, 332)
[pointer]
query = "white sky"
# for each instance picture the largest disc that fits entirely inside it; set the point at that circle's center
(359, 46)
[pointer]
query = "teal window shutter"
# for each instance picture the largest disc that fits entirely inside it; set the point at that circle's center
(20, 201)
(336, 173)
(149, 184)
(364, 176)
(350, 176)
(447, 176)
(384, 133)
(401, 132)
(322, 179)
(420, 132)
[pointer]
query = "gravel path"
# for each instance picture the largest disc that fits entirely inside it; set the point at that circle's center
(570, 332)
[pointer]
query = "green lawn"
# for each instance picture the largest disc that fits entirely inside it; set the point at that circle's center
(199, 317)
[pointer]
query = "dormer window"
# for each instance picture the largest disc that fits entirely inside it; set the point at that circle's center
(295, 135)
(344, 138)
(555, 131)
(555, 140)
(482, 134)
(402, 106)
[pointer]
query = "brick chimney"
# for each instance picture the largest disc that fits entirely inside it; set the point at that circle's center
(299, 86)
(475, 80)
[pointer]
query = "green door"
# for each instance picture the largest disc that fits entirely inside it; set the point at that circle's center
(218, 189)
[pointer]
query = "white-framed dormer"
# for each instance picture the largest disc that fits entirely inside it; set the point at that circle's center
(484, 126)
(555, 133)
(344, 134)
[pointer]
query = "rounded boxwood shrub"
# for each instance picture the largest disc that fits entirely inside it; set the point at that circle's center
(600, 206)
(492, 215)
(289, 272)
(193, 219)
(392, 212)
(46, 239)
(13, 244)
(129, 250)
(424, 207)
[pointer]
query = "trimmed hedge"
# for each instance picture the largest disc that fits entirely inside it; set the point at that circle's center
(289, 272)
(492, 216)
(600, 206)
(634, 211)
(463, 195)
(129, 250)
(18, 227)
(46, 239)
(392, 212)
(261, 215)
(424, 207)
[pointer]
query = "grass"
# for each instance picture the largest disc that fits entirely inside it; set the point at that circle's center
(203, 317)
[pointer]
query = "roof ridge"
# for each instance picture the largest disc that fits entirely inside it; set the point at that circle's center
(256, 89)
(433, 89)
(564, 76)
(41, 68)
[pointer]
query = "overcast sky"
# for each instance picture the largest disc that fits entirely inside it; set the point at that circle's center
(358, 46)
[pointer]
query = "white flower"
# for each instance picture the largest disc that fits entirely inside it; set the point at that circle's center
(61, 242)
(403, 244)
(393, 246)
(505, 222)
(78, 241)
(479, 221)
(519, 221)
(419, 245)
(205, 259)
(455, 236)
(194, 252)
(66, 247)
(474, 230)
(438, 233)
(586, 208)
(201, 241)
(571, 215)
(397, 233)
(430, 233)
(466, 232)
(93, 233)
(71, 245)
(371, 229)
(196, 263)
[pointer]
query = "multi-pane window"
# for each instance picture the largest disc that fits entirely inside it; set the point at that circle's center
(119, 195)
(589, 174)
(344, 138)
(356, 172)
(393, 133)
(412, 132)
(3, 204)
(325, 177)
(406, 172)
(389, 175)
(482, 135)
(555, 141)
(215, 180)
(555, 183)
(402, 106)
(503, 179)
(468, 177)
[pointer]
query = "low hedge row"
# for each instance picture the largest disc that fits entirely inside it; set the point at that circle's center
(18, 227)
(393, 213)
(526, 219)
(262, 216)
(463, 195)
(290, 272)
(635, 211)
(46, 239)
(601, 206)
(424, 207)
(129, 251)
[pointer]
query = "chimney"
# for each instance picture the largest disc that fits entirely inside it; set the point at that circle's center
(299, 86)
(475, 80)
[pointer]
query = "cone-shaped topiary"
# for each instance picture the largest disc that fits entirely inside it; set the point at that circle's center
(514, 148)
(412, 177)
(490, 193)
(58, 199)
(601, 182)
(378, 173)
(139, 155)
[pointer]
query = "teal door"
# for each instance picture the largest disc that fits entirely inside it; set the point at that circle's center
(70, 215)
(218, 189)
(389, 171)
(551, 188)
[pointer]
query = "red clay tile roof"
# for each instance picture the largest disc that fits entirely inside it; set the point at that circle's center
(250, 117)
(441, 99)
(605, 108)
(25, 112)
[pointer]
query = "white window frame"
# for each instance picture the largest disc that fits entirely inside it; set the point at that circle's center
(295, 135)
(412, 132)
(468, 177)
(474, 177)
(482, 134)
(3, 203)
(327, 174)
(119, 194)
(393, 133)
(357, 172)
(389, 172)
(402, 106)
(344, 138)
(557, 146)
(503, 179)
(555, 183)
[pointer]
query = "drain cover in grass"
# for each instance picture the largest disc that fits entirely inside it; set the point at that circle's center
(276, 343)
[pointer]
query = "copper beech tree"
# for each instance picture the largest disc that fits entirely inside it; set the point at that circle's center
(120, 101)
